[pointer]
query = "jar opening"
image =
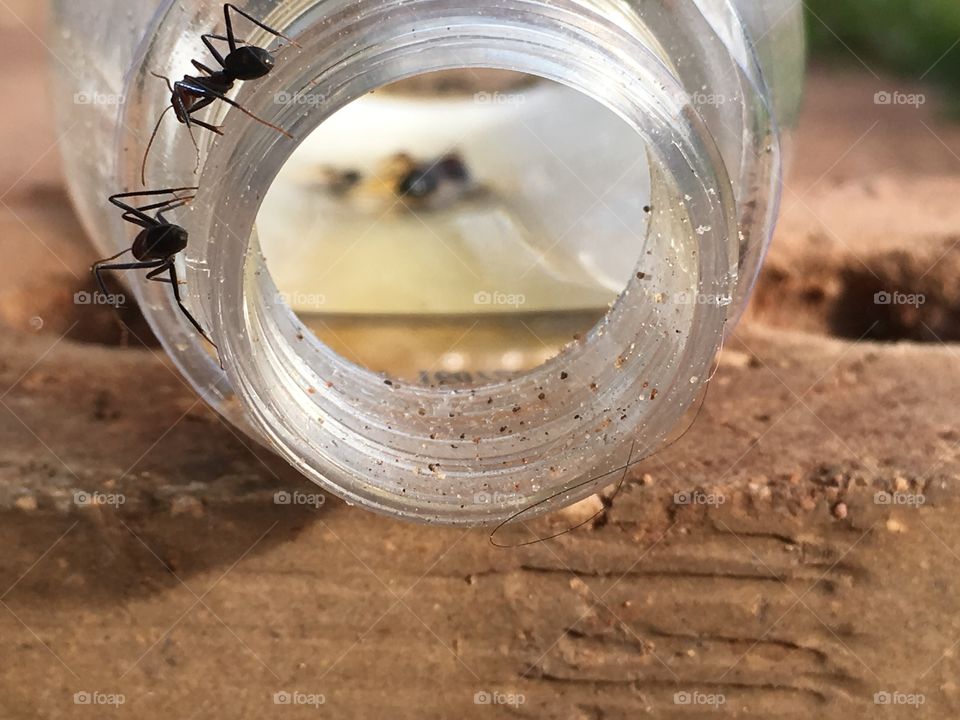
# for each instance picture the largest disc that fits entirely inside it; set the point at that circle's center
(457, 227)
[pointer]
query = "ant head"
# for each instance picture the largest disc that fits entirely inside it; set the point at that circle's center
(249, 63)
(160, 242)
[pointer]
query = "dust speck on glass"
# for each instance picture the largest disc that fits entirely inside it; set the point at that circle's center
(500, 250)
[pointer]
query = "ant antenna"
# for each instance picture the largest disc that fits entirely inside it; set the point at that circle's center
(723, 340)
(153, 137)
(579, 525)
(624, 468)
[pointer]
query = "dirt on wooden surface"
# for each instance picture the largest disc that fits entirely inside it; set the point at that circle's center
(795, 555)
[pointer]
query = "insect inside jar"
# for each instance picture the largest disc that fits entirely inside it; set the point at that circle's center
(402, 182)
(412, 216)
(194, 93)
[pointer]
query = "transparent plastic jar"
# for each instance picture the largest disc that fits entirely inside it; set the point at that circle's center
(706, 85)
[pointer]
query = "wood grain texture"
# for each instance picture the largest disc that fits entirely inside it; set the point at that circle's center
(802, 594)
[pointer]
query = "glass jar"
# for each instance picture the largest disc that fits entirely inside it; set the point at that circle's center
(679, 107)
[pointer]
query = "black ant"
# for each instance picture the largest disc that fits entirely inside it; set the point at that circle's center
(194, 93)
(156, 246)
(422, 181)
(433, 185)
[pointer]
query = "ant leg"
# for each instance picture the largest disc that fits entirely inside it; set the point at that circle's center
(212, 128)
(100, 267)
(184, 113)
(201, 67)
(172, 206)
(130, 266)
(227, 7)
(208, 41)
(214, 36)
(154, 275)
(156, 129)
(178, 104)
(165, 206)
(175, 282)
(197, 88)
(117, 199)
(231, 38)
(155, 193)
(199, 123)
(139, 212)
(205, 102)
(134, 220)
(200, 105)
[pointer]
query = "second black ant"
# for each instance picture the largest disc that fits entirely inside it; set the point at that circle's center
(243, 62)
(156, 246)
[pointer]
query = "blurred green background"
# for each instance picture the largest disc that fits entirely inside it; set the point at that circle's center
(910, 38)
